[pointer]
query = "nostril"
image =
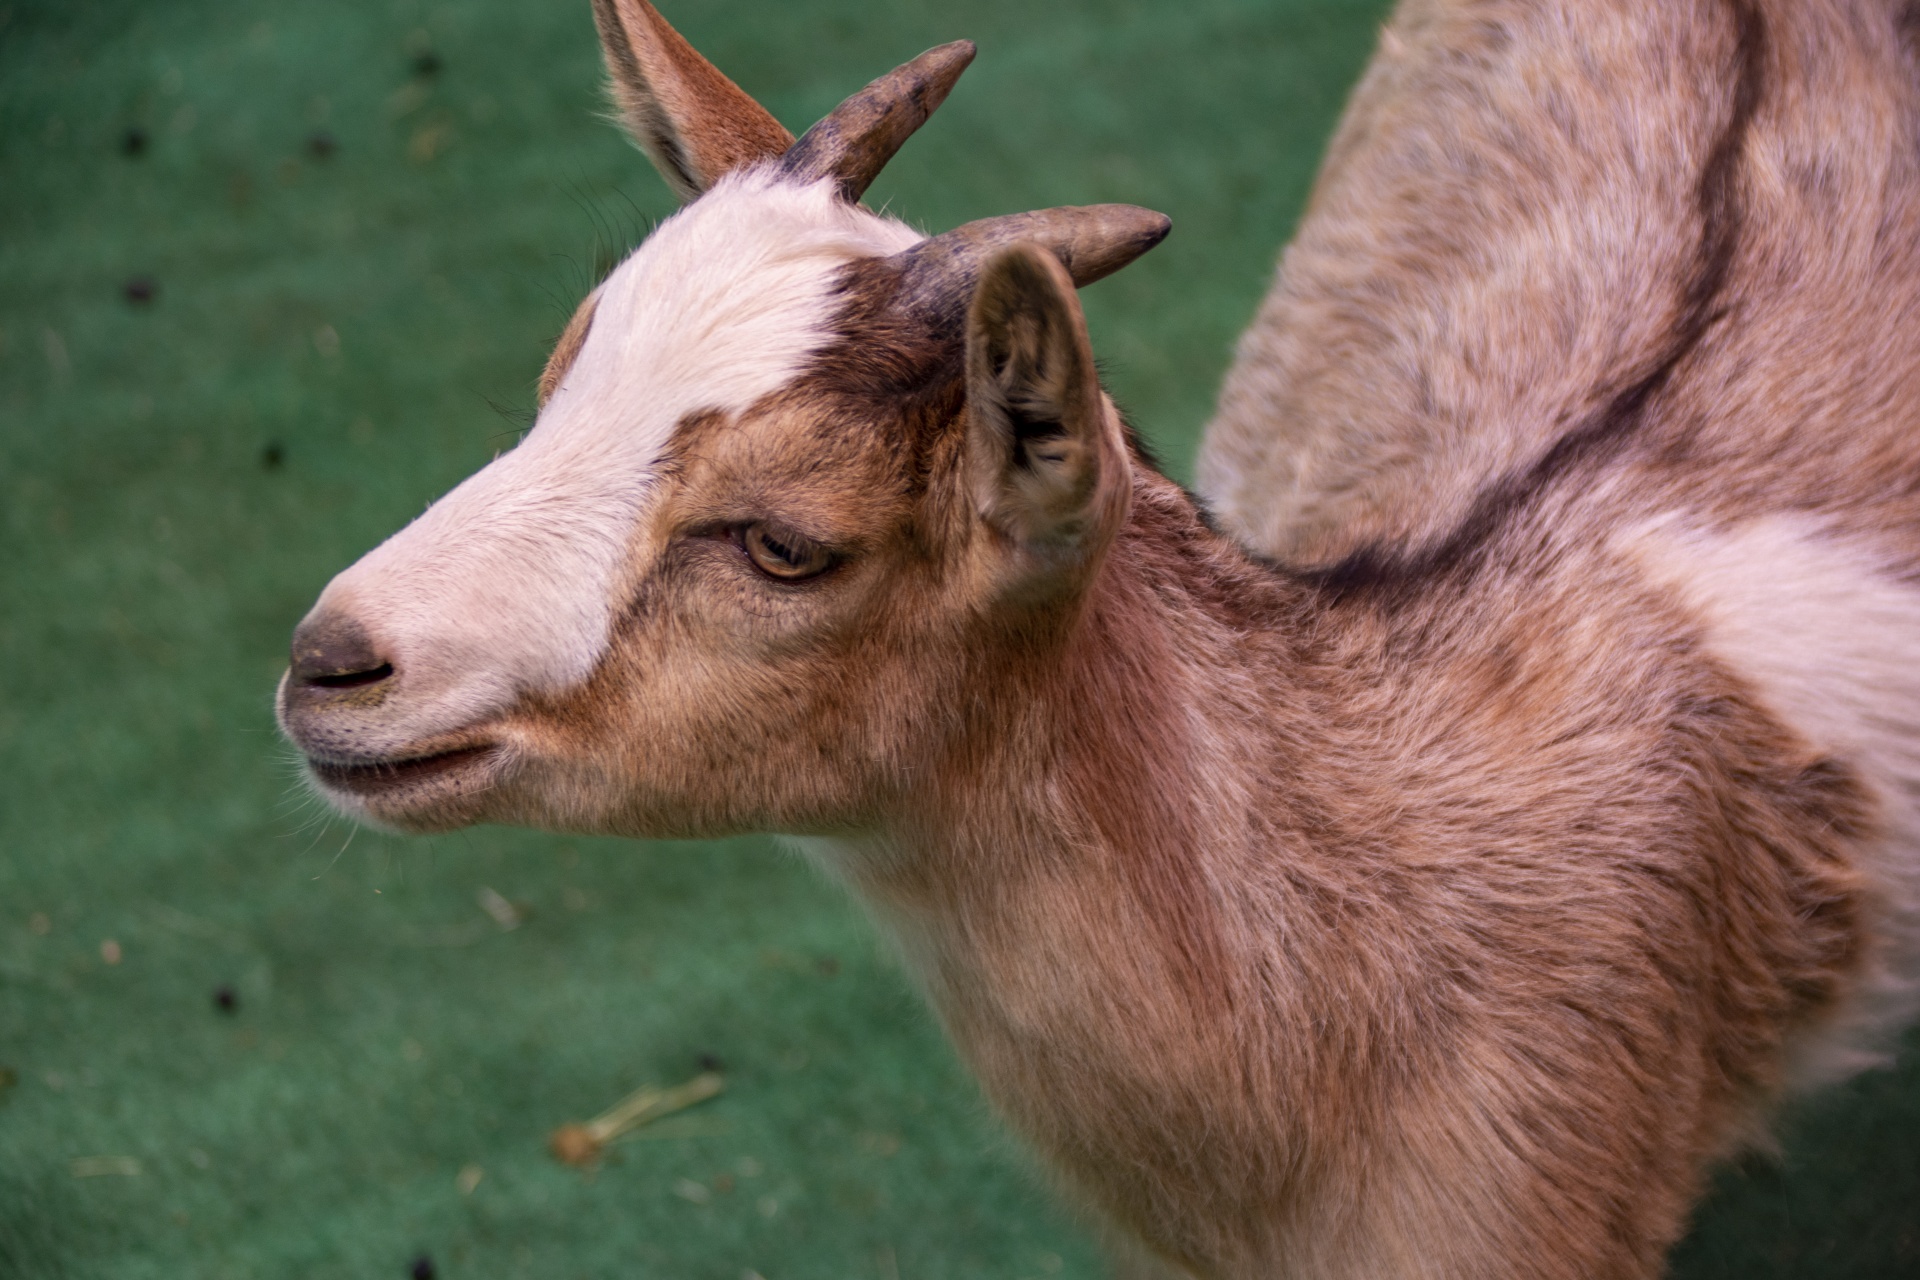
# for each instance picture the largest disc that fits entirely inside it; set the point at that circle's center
(334, 652)
(353, 679)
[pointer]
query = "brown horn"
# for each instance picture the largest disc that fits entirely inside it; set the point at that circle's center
(1091, 241)
(855, 142)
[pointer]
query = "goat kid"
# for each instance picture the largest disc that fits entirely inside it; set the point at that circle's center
(1440, 905)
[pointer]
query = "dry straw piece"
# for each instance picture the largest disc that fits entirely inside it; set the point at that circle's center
(580, 1145)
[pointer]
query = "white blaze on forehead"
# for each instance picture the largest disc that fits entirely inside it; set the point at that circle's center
(506, 584)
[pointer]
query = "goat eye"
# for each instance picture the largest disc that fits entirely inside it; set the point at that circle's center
(784, 555)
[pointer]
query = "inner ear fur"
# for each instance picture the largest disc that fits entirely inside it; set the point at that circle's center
(1045, 460)
(694, 123)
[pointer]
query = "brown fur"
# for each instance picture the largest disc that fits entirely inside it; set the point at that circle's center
(1246, 941)
(1440, 903)
(693, 122)
(566, 347)
(1453, 315)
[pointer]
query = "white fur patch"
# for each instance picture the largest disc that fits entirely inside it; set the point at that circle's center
(1826, 636)
(505, 585)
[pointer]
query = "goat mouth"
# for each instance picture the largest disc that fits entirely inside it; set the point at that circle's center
(375, 778)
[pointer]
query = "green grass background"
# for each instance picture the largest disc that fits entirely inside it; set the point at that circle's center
(375, 319)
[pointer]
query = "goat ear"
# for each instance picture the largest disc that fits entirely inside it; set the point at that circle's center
(693, 122)
(1045, 459)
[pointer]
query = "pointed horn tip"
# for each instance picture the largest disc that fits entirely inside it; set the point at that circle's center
(1119, 234)
(939, 68)
(1131, 220)
(856, 139)
(960, 51)
(1154, 225)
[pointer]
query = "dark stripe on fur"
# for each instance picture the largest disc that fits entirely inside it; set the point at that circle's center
(1384, 571)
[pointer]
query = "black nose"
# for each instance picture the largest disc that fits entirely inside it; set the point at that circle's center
(332, 651)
